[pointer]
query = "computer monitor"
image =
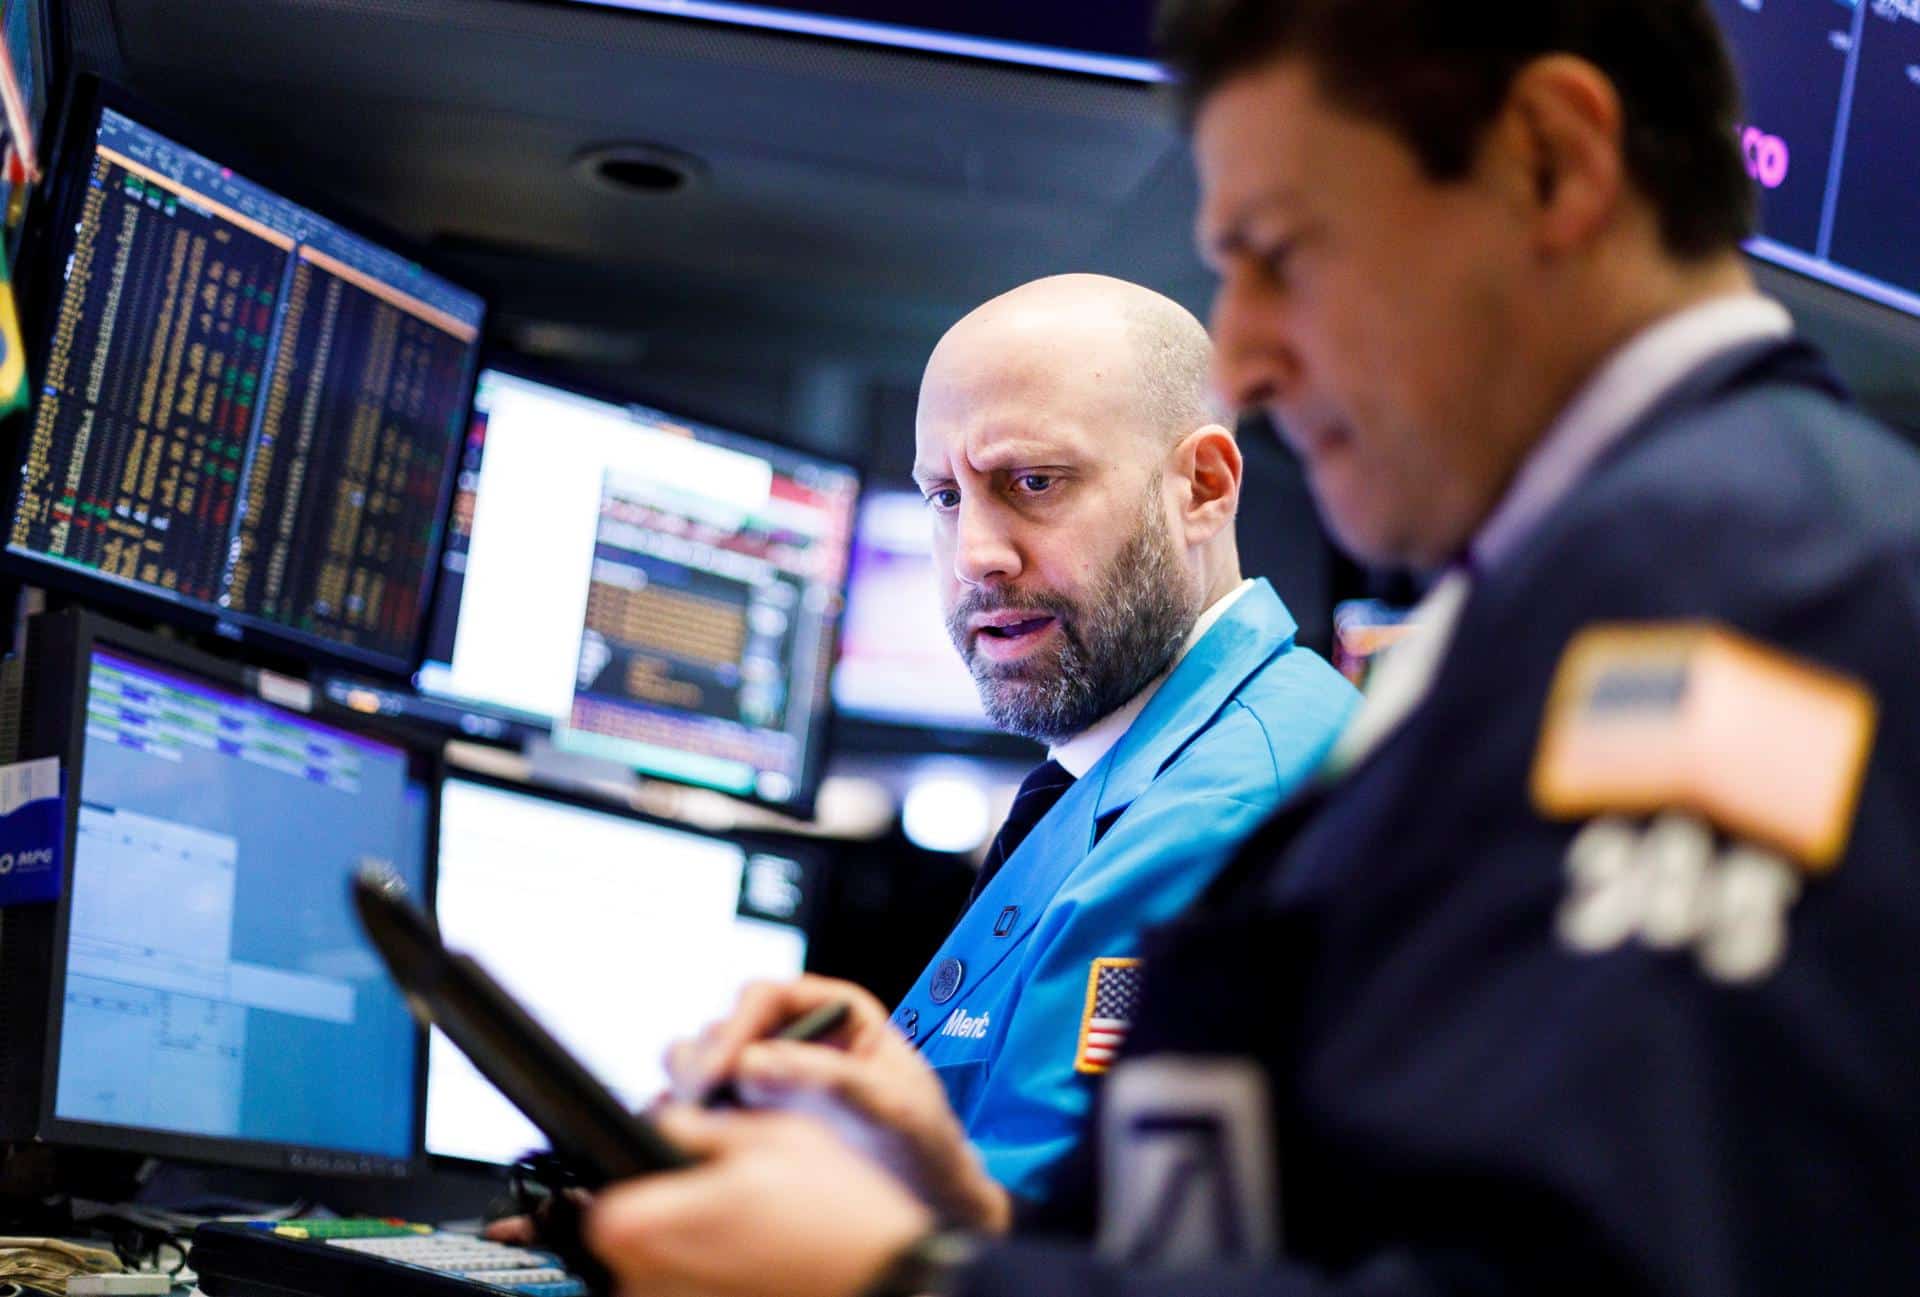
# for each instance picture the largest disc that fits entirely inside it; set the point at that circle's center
(619, 933)
(247, 414)
(653, 590)
(897, 663)
(201, 988)
(1831, 93)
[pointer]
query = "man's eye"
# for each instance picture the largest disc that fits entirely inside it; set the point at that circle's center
(1034, 483)
(945, 498)
(1276, 261)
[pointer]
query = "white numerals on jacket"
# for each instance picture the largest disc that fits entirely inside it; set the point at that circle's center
(1671, 886)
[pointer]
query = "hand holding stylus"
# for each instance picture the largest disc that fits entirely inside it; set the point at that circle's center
(861, 1075)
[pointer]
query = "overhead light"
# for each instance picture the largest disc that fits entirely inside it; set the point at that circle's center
(640, 170)
(947, 811)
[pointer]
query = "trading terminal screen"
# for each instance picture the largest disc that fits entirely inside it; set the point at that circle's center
(634, 935)
(217, 985)
(652, 591)
(246, 410)
(1832, 89)
(896, 662)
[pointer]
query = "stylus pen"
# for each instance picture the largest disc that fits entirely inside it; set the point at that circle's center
(815, 1024)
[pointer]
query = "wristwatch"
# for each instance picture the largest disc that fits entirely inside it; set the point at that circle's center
(927, 1267)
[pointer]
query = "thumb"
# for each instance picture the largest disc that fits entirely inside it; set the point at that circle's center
(698, 1132)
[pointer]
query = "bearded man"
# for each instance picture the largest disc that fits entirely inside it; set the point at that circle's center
(1082, 495)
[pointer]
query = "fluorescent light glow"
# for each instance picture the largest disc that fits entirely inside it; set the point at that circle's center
(913, 38)
(947, 812)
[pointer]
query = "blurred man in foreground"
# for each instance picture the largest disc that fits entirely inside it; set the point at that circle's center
(1587, 966)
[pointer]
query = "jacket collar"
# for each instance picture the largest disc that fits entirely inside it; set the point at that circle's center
(1256, 629)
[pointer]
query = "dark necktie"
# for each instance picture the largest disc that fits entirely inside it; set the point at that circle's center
(1044, 786)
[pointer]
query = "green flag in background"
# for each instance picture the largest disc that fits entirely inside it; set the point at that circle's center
(13, 361)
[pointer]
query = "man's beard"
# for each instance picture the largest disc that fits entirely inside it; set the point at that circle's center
(1111, 646)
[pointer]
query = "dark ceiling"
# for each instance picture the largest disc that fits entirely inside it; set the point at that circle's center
(850, 201)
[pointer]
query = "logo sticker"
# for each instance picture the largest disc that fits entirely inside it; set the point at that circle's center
(1187, 1168)
(33, 825)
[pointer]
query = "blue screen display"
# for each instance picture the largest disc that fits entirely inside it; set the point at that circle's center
(217, 983)
(1832, 90)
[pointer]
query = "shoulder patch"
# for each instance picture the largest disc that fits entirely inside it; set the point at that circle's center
(1693, 717)
(1113, 992)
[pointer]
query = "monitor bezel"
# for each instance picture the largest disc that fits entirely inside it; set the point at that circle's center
(61, 647)
(814, 856)
(53, 209)
(802, 804)
(883, 36)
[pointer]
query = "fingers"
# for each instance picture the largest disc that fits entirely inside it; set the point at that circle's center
(695, 1066)
(627, 1219)
(510, 1229)
(769, 1070)
(699, 1132)
(684, 1081)
(777, 1205)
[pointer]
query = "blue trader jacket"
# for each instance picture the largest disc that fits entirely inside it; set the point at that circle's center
(1234, 729)
(1380, 1030)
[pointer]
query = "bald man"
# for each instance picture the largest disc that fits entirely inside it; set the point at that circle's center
(1082, 495)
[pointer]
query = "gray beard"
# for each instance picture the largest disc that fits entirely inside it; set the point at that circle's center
(1125, 635)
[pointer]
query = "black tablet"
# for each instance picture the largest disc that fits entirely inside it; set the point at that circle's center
(591, 1130)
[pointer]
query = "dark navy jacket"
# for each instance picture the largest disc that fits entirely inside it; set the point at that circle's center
(1462, 1104)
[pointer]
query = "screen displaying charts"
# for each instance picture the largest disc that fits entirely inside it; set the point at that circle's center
(897, 663)
(653, 591)
(1832, 90)
(247, 414)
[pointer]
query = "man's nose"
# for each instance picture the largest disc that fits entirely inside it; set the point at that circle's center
(1255, 362)
(984, 548)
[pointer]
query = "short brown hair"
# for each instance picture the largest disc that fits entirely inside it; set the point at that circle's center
(1437, 72)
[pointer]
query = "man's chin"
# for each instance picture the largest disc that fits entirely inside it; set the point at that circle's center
(1008, 695)
(1020, 707)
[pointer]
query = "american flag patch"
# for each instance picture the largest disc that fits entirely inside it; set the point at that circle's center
(1113, 991)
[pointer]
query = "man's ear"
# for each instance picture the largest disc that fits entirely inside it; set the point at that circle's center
(1209, 461)
(1564, 126)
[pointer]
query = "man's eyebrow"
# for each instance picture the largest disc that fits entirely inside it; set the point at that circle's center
(922, 476)
(1010, 451)
(1230, 235)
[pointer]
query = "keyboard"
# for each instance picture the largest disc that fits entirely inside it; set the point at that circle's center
(350, 1258)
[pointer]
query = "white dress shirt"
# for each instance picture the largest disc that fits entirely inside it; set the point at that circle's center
(1629, 383)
